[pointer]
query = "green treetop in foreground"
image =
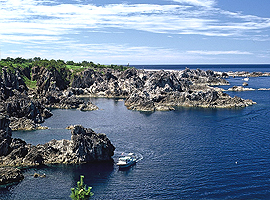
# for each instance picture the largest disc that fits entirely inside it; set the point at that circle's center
(81, 193)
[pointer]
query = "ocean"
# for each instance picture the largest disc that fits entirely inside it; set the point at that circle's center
(189, 153)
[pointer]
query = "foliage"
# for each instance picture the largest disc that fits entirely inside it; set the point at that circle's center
(81, 193)
(29, 83)
(51, 65)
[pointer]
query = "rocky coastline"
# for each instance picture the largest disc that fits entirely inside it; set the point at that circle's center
(142, 91)
(22, 108)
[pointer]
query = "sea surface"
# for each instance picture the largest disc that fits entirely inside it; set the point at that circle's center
(189, 153)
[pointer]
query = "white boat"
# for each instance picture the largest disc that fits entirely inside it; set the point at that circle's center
(127, 161)
(246, 79)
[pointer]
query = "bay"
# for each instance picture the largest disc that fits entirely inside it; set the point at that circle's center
(190, 153)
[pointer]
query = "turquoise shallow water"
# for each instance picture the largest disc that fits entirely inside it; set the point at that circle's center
(185, 154)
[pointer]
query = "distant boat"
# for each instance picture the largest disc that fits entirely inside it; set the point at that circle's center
(246, 79)
(125, 162)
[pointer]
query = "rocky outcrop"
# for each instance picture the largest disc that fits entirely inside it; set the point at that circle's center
(85, 146)
(49, 80)
(247, 74)
(189, 88)
(7, 174)
(24, 124)
(26, 108)
(240, 89)
(10, 175)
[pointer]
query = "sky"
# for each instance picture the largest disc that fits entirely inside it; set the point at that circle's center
(137, 31)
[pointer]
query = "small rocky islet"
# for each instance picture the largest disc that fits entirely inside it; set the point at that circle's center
(22, 108)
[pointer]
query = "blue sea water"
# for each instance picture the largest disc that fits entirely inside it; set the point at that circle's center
(190, 153)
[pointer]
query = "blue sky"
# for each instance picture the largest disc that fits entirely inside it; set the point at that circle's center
(137, 31)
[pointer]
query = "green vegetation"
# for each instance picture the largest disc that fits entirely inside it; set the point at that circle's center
(59, 65)
(22, 63)
(67, 70)
(29, 83)
(81, 193)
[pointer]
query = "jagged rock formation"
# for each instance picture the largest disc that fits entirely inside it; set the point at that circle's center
(143, 90)
(16, 103)
(159, 90)
(51, 91)
(85, 146)
(5, 136)
(26, 108)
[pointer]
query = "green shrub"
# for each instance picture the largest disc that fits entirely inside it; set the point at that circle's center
(81, 193)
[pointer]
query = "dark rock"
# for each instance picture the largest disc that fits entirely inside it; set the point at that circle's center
(5, 135)
(47, 81)
(10, 175)
(13, 80)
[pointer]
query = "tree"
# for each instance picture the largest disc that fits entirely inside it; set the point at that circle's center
(81, 193)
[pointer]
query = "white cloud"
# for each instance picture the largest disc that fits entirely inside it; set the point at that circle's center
(203, 3)
(31, 17)
(38, 25)
(219, 52)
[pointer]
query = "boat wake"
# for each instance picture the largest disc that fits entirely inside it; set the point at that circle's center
(139, 157)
